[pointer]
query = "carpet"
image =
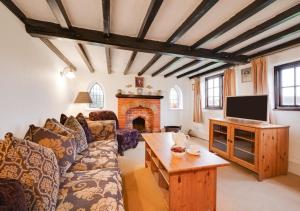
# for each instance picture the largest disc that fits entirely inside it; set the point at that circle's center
(237, 187)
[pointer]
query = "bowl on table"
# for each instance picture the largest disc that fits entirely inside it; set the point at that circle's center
(178, 151)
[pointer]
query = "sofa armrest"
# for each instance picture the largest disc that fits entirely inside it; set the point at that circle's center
(103, 130)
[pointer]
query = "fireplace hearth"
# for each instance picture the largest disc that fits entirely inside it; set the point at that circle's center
(139, 124)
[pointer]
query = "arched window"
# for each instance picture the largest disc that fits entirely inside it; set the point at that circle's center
(97, 96)
(175, 98)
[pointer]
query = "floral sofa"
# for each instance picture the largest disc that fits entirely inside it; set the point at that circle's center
(93, 181)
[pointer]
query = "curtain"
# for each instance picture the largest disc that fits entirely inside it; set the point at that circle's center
(229, 87)
(260, 73)
(197, 117)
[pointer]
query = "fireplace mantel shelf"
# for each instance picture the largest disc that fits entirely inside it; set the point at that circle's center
(139, 96)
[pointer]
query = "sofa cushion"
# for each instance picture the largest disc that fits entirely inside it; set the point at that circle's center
(12, 195)
(100, 154)
(102, 130)
(82, 121)
(63, 119)
(35, 167)
(91, 190)
(73, 124)
(64, 147)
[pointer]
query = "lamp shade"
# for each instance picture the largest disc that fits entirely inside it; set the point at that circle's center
(83, 97)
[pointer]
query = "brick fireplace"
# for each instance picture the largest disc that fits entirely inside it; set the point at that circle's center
(140, 112)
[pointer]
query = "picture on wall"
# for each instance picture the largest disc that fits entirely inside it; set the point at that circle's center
(139, 82)
(246, 75)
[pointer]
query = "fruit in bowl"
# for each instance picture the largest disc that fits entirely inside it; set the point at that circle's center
(178, 151)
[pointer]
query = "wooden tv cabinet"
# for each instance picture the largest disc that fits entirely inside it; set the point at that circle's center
(262, 148)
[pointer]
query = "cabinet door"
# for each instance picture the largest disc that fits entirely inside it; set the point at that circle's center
(218, 138)
(244, 146)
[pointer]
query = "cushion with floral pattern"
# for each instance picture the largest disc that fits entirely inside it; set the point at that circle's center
(64, 147)
(91, 190)
(35, 167)
(73, 124)
(82, 121)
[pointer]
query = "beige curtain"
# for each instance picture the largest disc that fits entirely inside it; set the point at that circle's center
(229, 87)
(260, 76)
(197, 117)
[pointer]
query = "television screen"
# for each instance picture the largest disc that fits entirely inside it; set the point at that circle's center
(248, 107)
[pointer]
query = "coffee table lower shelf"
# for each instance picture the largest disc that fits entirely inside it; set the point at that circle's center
(187, 190)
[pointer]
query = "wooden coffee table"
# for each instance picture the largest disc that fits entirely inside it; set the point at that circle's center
(191, 180)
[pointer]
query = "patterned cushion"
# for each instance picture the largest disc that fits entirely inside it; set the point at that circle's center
(82, 121)
(63, 119)
(103, 130)
(91, 190)
(56, 127)
(63, 146)
(35, 167)
(12, 195)
(73, 124)
(100, 154)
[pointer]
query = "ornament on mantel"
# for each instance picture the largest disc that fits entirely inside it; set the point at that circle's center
(149, 87)
(129, 86)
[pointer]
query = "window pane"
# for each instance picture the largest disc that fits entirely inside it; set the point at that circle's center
(298, 96)
(216, 101)
(216, 92)
(210, 92)
(210, 83)
(216, 82)
(97, 96)
(298, 75)
(287, 97)
(210, 101)
(287, 77)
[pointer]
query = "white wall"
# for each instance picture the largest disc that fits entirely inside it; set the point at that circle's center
(291, 118)
(111, 84)
(31, 88)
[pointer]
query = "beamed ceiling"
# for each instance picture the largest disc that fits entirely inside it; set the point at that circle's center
(169, 38)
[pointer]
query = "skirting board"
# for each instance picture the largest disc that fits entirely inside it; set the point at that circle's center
(294, 168)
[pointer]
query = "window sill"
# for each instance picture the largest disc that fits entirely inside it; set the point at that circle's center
(210, 108)
(175, 108)
(286, 109)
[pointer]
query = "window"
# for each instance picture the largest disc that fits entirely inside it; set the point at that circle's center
(175, 98)
(214, 92)
(287, 86)
(97, 96)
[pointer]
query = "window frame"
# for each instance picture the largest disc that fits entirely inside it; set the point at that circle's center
(278, 87)
(180, 98)
(90, 89)
(221, 78)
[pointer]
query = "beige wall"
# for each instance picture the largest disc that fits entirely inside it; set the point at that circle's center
(31, 88)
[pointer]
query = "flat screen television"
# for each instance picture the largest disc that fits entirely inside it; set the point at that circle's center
(248, 107)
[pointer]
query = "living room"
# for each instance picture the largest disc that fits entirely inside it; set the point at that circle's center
(138, 72)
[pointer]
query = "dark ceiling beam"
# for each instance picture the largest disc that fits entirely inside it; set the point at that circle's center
(163, 68)
(275, 37)
(238, 18)
(61, 16)
(53, 31)
(22, 17)
(106, 30)
(84, 56)
(271, 23)
(149, 64)
(59, 12)
(60, 55)
(149, 18)
(15, 10)
(196, 69)
(284, 46)
(190, 64)
(198, 13)
(225, 66)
